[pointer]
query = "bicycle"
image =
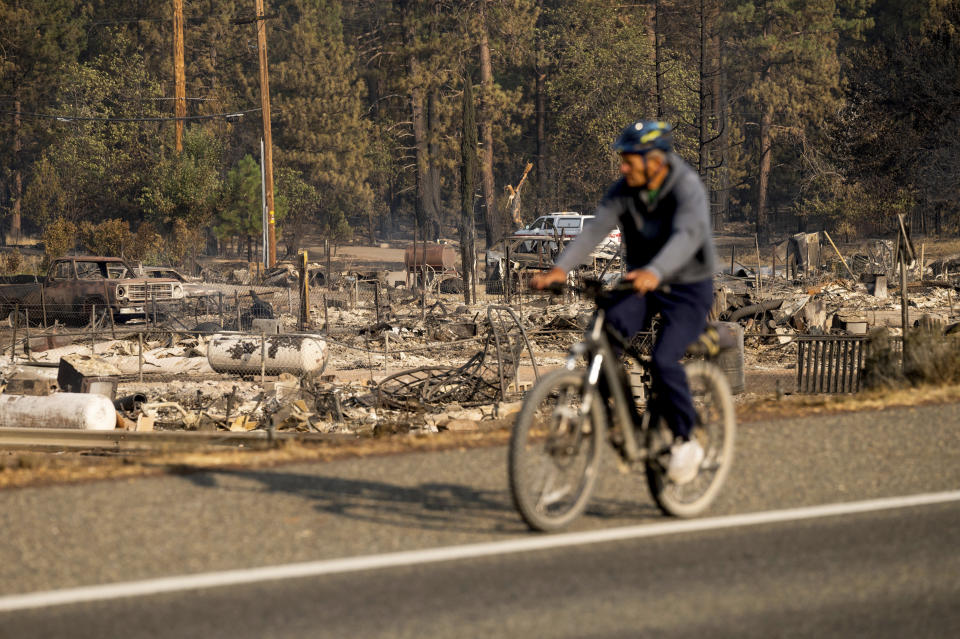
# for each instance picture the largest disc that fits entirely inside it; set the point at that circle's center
(569, 412)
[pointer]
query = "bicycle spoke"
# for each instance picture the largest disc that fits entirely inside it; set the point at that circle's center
(714, 431)
(554, 452)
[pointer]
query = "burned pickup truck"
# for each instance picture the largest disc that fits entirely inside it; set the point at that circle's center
(77, 287)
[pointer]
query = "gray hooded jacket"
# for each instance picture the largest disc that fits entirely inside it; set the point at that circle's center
(669, 235)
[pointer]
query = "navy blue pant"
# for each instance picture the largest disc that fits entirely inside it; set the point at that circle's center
(683, 312)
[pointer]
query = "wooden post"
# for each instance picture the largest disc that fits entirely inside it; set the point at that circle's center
(326, 248)
(506, 272)
(326, 321)
(263, 357)
(93, 329)
(13, 344)
(904, 306)
(140, 355)
(733, 257)
(303, 320)
(26, 329)
(43, 306)
(423, 297)
(520, 294)
(413, 265)
(236, 302)
(756, 239)
(220, 305)
(386, 351)
(845, 265)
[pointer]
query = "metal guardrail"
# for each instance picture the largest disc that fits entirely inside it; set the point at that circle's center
(833, 363)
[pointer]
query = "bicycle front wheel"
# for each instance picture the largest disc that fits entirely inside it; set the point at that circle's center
(715, 430)
(555, 449)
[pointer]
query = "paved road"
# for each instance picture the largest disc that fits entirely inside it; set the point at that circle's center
(889, 573)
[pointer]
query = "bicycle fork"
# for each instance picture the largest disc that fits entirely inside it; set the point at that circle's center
(624, 412)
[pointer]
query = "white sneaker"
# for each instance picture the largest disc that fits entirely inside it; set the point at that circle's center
(685, 460)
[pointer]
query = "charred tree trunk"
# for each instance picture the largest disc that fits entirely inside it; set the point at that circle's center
(540, 207)
(491, 220)
(468, 174)
(17, 194)
(433, 150)
(722, 193)
(658, 58)
(763, 179)
(703, 96)
(542, 174)
(425, 213)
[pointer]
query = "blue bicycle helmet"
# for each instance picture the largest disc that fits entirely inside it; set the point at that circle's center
(643, 136)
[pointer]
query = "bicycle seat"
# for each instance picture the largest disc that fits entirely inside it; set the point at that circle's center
(718, 336)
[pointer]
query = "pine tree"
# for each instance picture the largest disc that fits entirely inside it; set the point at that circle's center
(787, 53)
(241, 208)
(597, 87)
(38, 38)
(320, 124)
(102, 161)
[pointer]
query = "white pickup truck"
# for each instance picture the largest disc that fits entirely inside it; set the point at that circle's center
(553, 227)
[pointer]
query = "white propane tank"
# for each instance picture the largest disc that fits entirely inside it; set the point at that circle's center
(294, 354)
(77, 411)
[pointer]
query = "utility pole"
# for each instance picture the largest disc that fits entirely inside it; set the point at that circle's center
(267, 138)
(179, 81)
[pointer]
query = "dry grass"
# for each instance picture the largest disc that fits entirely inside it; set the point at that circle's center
(21, 469)
(934, 249)
(865, 401)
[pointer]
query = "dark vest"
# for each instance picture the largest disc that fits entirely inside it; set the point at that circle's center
(645, 242)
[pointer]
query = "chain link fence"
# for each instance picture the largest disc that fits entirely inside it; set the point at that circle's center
(370, 323)
(370, 327)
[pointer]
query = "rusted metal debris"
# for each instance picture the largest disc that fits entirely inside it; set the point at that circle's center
(484, 379)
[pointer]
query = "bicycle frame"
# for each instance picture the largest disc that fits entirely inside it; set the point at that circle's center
(597, 351)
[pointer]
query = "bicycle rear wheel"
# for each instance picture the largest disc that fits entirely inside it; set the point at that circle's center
(715, 430)
(554, 453)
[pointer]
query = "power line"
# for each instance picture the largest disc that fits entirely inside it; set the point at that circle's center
(199, 19)
(235, 115)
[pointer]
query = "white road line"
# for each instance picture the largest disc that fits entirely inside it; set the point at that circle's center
(450, 553)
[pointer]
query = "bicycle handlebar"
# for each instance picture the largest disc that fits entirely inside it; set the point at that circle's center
(593, 289)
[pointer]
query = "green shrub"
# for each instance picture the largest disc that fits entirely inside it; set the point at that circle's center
(12, 262)
(110, 237)
(59, 237)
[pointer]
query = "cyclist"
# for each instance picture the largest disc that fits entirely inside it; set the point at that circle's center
(661, 207)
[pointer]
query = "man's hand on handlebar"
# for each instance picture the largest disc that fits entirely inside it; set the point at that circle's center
(644, 280)
(553, 277)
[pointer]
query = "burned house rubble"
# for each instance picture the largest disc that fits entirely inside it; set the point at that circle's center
(378, 349)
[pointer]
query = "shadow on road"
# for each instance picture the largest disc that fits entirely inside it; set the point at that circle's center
(428, 506)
